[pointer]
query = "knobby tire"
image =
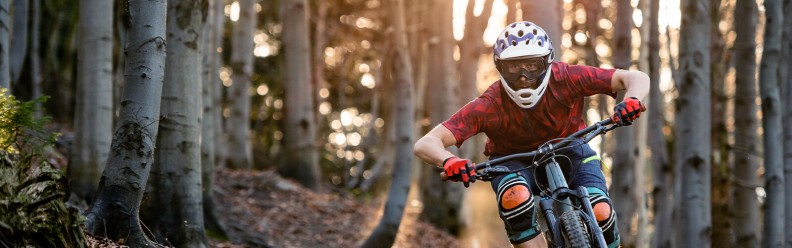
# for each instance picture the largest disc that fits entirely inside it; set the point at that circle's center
(574, 232)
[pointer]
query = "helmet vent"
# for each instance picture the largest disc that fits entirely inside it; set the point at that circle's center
(534, 31)
(540, 43)
(506, 35)
(527, 41)
(514, 43)
(520, 34)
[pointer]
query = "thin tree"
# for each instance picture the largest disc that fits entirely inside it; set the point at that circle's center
(220, 139)
(722, 233)
(302, 155)
(35, 59)
(548, 15)
(239, 149)
(470, 48)
(384, 234)
(692, 131)
(626, 162)
(746, 206)
(19, 43)
(786, 82)
(5, 74)
(173, 210)
(445, 198)
(93, 123)
(208, 123)
(114, 214)
(663, 173)
(773, 231)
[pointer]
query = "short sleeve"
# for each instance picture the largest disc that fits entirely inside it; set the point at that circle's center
(469, 120)
(589, 80)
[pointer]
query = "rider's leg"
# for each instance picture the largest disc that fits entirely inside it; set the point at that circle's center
(588, 174)
(537, 242)
(606, 217)
(516, 207)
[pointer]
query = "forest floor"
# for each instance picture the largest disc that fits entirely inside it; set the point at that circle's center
(261, 209)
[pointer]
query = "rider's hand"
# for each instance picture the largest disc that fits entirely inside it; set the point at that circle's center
(460, 169)
(627, 111)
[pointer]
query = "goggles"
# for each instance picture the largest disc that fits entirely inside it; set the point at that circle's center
(529, 68)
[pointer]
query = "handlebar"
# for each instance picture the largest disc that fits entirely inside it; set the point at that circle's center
(590, 132)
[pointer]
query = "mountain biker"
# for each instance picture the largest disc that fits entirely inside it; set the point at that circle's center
(536, 100)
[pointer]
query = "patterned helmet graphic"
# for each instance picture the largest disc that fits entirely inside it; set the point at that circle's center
(522, 40)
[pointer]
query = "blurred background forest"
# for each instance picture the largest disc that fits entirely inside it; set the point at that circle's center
(187, 111)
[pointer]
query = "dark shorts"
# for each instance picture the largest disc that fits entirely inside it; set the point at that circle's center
(580, 165)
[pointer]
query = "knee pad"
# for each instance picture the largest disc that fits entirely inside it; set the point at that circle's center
(606, 217)
(516, 208)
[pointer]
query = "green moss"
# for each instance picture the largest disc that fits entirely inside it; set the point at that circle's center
(32, 192)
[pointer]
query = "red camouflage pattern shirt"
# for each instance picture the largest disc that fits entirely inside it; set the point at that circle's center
(511, 129)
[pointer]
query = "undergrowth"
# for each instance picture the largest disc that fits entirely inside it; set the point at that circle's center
(33, 212)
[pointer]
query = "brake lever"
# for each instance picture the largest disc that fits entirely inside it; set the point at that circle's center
(490, 172)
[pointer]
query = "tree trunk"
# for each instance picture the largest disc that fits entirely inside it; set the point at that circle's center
(238, 123)
(221, 140)
(114, 214)
(318, 60)
(511, 10)
(722, 234)
(773, 231)
(35, 59)
(445, 198)
(745, 211)
(301, 154)
(786, 81)
(384, 234)
(213, 226)
(692, 131)
(548, 15)
(470, 53)
(593, 8)
(625, 160)
(663, 173)
(93, 123)
(5, 74)
(19, 42)
(173, 210)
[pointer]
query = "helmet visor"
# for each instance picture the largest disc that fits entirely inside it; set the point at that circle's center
(523, 73)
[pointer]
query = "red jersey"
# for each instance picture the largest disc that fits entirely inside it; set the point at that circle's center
(511, 129)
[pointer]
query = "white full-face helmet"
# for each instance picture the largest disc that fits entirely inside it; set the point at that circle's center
(522, 54)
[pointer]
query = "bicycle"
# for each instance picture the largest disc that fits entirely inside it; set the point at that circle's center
(565, 214)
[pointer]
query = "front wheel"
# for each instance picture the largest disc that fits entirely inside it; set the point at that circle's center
(573, 230)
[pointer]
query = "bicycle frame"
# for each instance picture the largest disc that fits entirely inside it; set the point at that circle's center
(561, 199)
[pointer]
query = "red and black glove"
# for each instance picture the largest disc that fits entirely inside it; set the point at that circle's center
(460, 169)
(627, 111)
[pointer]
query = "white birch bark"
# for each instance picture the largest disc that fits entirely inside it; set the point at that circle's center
(114, 214)
(19, 39)
(174, 209)
(384, 234)
(5, 74)
(301, 153)
(93, 122)
(692, 131)
(773, 231)
(239, 149)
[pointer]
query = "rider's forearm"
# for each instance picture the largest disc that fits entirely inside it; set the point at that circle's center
(430, 149)
(636, 84)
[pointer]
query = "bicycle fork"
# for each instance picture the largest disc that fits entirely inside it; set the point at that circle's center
(559, 202)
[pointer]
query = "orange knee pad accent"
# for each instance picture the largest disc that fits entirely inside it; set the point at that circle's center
(515, 196)
(602, 211)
